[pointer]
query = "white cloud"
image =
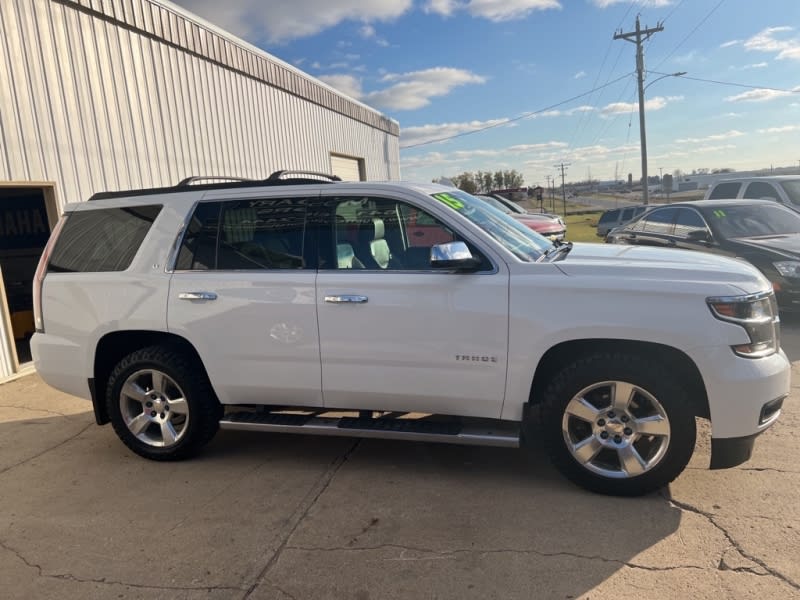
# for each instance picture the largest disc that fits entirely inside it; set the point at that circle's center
(579, 75)
(733, 133)
(761, 65)
(758, 95)
(407, 91)
(415, 89)
(347, 84)
(784, 129)
(368, 33)
(642, 3)
(282, 21)
(656, 103)
(767, 41)
(427, 133)
(731, 43)
(493, 10)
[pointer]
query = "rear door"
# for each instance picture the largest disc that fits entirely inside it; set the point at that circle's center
(655, 229)
(396, 334)
(243, 293)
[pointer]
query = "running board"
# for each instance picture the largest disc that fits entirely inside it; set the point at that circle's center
(420, 430)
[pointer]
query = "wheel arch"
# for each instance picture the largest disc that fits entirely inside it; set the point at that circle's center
(114, 346)
(675, 360)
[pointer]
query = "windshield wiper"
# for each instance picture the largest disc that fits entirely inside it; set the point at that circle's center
(553, 253)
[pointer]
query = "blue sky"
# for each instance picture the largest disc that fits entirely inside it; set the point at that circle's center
(447, 67)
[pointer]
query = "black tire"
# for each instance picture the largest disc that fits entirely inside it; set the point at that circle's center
(203, 411)
(647, 376)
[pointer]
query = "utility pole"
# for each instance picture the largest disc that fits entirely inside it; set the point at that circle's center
(563, 166)
(637, 37)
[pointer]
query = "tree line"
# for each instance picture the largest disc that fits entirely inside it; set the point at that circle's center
(481, 182)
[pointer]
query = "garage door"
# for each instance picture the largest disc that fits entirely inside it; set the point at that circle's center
(349, 169)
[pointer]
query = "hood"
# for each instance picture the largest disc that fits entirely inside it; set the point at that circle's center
(786, 244)
(661, 266)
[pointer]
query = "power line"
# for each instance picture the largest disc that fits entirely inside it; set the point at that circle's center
(672, 12)
(517, 118)
(691, 33)
(730, 83)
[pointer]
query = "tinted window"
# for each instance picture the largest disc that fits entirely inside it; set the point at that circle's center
(688, 220)
(627, 214)
(725, 191)
(609, 216)
(792, 189)
(102, 240)
(659, 221)
(748, 220)
(245, 235)
(761, 189)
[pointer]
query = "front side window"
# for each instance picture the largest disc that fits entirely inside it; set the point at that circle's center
(688, 220)
(761, 189)
(792, 189)
(260, 234)
(101, 240)
(379, 234)
(608, 217)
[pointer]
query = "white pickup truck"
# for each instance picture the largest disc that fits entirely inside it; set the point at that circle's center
(400, 311)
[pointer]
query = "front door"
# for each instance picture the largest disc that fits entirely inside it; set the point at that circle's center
(396, 334)
(243, 294)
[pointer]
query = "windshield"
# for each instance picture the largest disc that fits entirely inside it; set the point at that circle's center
(753, 221)
(792, 189)
(525, 244)
(496, 203)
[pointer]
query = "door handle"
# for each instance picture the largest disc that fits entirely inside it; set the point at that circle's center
(346, 299)
(197, 296)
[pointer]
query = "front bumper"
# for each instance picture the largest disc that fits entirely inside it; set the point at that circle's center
(730, 452)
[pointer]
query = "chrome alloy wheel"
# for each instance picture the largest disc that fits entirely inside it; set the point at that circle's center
(154, 408)
(616, 429)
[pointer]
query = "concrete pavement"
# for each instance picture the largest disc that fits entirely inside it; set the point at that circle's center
(278, 516)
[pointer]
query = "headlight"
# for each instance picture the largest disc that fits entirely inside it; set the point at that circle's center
(788, 268)
(757, 314)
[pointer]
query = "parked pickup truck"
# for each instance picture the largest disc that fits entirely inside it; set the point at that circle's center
(302, 305)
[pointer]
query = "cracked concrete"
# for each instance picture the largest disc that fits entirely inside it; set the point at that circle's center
(292, 517)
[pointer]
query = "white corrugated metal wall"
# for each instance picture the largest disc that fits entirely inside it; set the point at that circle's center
(92, 100)
(118, 94)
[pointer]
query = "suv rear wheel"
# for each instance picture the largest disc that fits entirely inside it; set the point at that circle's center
(161, 405)
(618, 424)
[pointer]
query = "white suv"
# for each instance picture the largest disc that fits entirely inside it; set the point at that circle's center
(400, 311)
(781, 188)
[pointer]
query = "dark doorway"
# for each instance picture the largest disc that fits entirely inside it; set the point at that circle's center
(24, 231)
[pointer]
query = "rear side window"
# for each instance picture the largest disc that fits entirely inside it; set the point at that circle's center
(627, 214)
(660, 221)
(106, 239)
(245, 235)
(725, 191)
(609, 216)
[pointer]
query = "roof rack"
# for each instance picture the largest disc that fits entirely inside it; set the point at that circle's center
(278, 175)
(194, 178)
(224, 182)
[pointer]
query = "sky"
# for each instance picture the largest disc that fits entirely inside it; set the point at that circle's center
(528, 84)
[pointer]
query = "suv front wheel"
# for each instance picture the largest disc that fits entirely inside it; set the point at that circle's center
(618, 424)
(161, 405)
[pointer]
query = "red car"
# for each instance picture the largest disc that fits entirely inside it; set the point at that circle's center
(550, 226)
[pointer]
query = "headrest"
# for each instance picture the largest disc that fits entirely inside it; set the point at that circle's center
(377, 224)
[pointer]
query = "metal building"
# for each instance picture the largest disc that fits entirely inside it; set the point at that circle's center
(117, 94)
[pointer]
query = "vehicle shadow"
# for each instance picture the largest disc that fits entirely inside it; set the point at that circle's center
(790, 335)
(348, 518)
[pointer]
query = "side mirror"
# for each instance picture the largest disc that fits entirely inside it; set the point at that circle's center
(453, 255)
(699, 235)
